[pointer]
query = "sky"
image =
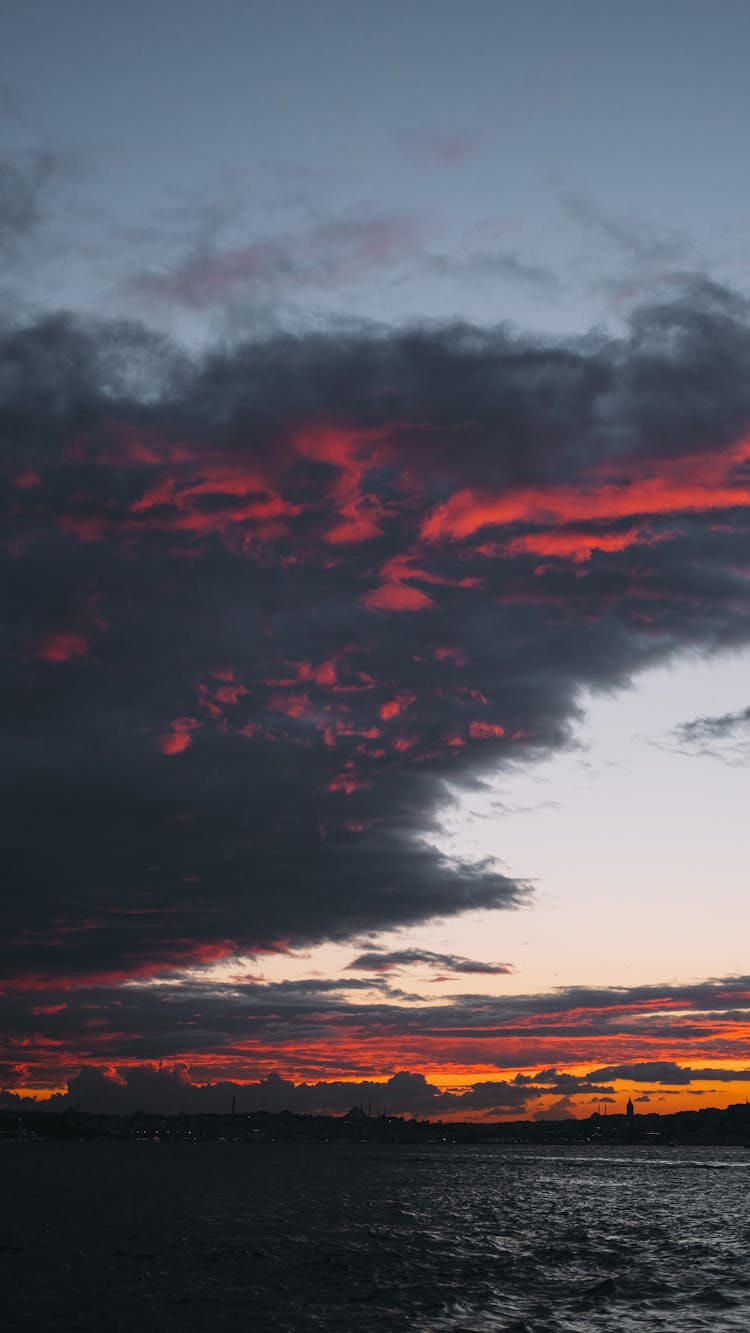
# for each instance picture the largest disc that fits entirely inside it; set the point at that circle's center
(376, 536)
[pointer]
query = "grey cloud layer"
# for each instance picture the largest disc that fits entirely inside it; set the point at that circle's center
(714, 728)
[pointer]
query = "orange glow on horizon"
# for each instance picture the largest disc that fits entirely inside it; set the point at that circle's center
(648, 1098)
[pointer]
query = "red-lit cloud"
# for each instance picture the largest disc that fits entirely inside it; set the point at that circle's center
(60, 645)
(397, 597)
(179, 737)
(699, 483)
(27, 480)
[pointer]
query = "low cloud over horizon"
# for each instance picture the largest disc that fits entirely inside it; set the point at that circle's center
(172, 1088)
(319, 1039)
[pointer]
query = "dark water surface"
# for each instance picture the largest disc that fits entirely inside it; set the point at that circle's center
(373, 1239)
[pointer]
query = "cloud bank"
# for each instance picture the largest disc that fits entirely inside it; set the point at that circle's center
(263, 605)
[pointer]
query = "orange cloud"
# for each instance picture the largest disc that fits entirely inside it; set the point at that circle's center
(485, 731)
(579, 546)
(179, 738)
(397, 597)
(392, 707)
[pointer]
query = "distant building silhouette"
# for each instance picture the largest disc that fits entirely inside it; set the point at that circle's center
(356, 1116)
(629, 1109)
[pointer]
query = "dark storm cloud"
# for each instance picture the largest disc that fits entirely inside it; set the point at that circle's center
(264, 605)
(381, 960)
(568, 1084)
(670, 1073)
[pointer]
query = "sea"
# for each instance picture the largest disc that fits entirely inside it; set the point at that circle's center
(364, 1238)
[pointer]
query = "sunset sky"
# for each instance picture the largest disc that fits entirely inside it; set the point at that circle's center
(375, 412)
